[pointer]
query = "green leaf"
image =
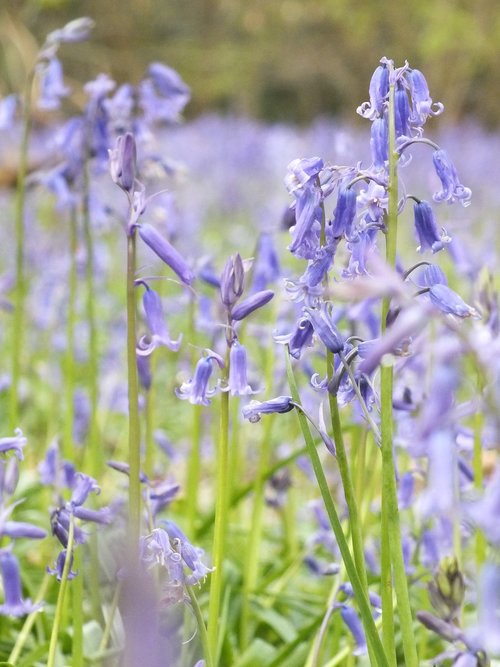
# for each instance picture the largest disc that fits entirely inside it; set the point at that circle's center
(258, 653)
(283, 628)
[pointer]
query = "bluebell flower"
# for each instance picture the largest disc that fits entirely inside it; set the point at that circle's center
(302, 182)
(361, 247)
(452, 189)
(119, 109)
(52, 88)
(344, 214)
(190, 554)
(232, 281)
(166, 252)
(378, 91)
(299, 338)
(77, 30)
(59, 567)
(144, 372)
(237, 381)
(351, 619)
(319, 266)
(196, 391)
(449, 302)
(14, 604)
(324, 327)
(14, 444)
(421, 99)
(163, 95)
(20, 529)
(250, 304)
(379, 142)
(255, 409)
(426, 229)
(122, 162)
(266, 268)
(401, 111)
(155, 317)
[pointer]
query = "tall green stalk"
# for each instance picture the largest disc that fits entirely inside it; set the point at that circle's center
(391, 531)
(220, 525)
(17, 350)
(134, 449)
(61, 596)
(361, 598)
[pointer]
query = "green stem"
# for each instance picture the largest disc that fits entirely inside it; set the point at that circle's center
(391, 532)
(69, 357)
(25, 632)
(201, 627)
(77, 619)
(134, 442)
(220, 527)
(359, 592)
(18, 348)
(110, 619)
(61, 596)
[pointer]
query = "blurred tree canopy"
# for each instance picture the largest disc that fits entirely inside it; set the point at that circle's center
(272, 59)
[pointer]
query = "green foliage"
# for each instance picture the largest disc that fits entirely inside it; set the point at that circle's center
(283, 60)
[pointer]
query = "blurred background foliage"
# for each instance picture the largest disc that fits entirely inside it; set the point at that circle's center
(272, 59)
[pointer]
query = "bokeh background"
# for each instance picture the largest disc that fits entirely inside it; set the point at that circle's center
(274, 60)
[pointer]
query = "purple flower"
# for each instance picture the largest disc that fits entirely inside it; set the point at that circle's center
(452, 189)
(250, 304)
(232, 281)
(266, 268)
(421, 99)
(155, 318)
(196, 391)
(122, 162)
(426, 228)
(255, 409)
(144, 371)
(301, 181)
(14, 444)
(324, 327)
(449, 302)
(379, 89)
(52, 87)
(84, 484)
(20, 529)
(353, 623)
(344, 214)
(164, 94)
(59, 568)
(402, 112)
(166, 252)
(318, 267)
(190, 554)
(237, 383)
(77, 30)
(298, 339)
(379, 142)
(13, 605)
